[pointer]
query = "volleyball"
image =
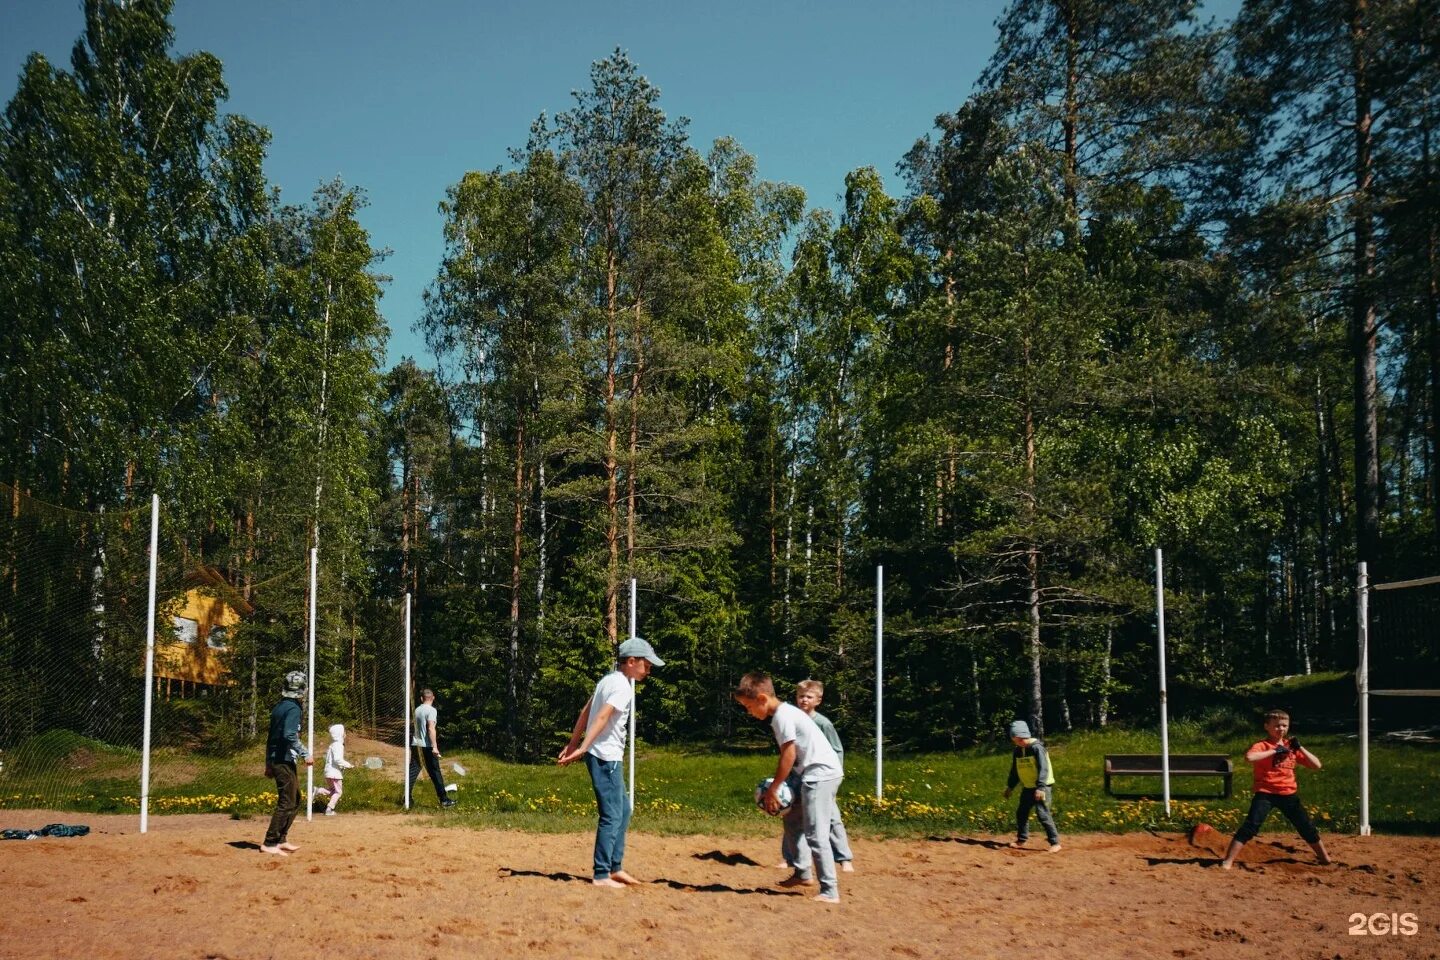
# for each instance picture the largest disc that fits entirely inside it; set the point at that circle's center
(785, 794)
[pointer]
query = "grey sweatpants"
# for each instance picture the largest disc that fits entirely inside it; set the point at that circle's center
(839, 840)
(810, 816)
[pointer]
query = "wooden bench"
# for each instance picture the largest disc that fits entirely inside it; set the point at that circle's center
(1181, 765)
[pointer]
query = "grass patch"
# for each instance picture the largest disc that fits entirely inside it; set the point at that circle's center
(690, 790)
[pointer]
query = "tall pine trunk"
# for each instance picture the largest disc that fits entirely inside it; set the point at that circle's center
(1032, 577)
(517, 531)
(612, 505)
(1104, 717)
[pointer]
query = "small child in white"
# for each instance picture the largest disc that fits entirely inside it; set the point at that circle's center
(335, 767)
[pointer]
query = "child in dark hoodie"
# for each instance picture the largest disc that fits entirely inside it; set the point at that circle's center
(1030, 770)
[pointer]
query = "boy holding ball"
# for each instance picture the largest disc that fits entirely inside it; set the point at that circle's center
(803, 748)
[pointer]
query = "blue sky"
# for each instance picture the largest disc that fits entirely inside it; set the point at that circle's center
(403, 98)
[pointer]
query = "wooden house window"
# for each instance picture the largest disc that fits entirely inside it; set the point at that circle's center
(186, 630)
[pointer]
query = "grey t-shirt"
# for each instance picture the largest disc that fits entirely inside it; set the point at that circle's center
(828, 728)
(425, 714)
(814, 757)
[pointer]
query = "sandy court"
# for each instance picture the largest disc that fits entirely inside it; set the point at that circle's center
(368, 885)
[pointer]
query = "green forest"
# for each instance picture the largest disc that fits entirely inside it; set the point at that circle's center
(1157, 282)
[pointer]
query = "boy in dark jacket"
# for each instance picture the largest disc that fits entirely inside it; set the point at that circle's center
(1030, 770)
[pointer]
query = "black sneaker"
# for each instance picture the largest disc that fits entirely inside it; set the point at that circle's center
(448, 803)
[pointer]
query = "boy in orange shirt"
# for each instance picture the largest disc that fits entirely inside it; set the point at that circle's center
(1274, 760)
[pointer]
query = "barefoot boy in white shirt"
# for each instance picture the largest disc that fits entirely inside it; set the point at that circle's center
(804, 748)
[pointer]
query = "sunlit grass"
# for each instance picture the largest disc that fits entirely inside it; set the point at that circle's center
(696, 790)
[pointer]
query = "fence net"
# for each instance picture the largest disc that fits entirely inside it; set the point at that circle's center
(228, 625)
(73, 592)
(1404, 653)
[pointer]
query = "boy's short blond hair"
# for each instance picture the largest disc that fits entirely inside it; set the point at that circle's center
(755, 684)
(1276, 715)
(810, 686)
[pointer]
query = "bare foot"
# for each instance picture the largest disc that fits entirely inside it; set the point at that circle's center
(624, 878)
(607, 882)
(1016, 844)
(782, 865)
(825, 898)
(1054, 848)
(1324, 861)
(847, 867)
(289, 847)
(275, 850)
(1226, 864)
(795, 880)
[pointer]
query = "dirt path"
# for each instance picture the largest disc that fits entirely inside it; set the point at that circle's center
(367, 885)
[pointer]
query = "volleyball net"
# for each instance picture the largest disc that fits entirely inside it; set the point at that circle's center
(229, 621)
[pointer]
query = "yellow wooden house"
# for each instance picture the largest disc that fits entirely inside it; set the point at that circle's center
(192, 634)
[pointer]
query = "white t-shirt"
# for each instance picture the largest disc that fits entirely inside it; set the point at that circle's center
(815, 759)
(614, 689)
(425, 714)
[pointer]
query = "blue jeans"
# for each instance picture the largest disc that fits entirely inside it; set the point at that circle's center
(1042, 811)
(605, 776)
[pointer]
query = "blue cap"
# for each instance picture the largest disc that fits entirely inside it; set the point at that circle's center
(635, 647)
(1020, 729)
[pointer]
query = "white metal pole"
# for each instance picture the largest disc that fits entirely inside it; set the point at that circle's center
(633, 704)
(1164, 704)
(1362, 681)
(310, 695)
(406, 721)
(149, 667)
(879, 683)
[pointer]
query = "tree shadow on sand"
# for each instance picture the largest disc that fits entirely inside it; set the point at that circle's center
(1206, 862)
(971, 842)
(723, 888)
(558, 877)
(562, 877)
(729, 859)
(1257, 866)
